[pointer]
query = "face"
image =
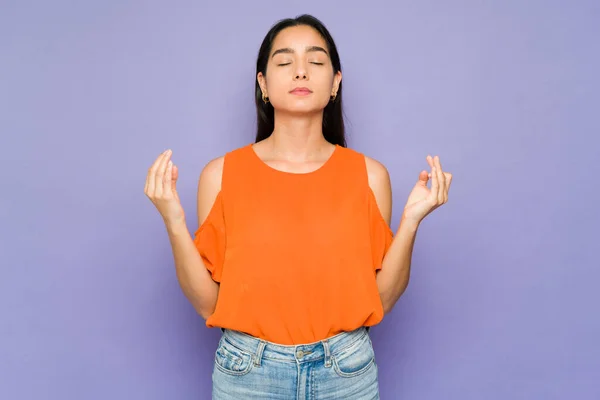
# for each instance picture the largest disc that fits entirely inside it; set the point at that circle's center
(299, 75)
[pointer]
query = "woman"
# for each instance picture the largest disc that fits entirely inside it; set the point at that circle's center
(294, 258)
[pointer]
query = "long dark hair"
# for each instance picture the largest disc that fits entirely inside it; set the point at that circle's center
(333, 121)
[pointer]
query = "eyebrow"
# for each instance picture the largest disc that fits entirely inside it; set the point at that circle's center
(288, 50)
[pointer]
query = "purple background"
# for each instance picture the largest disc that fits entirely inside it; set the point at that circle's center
(503, 302)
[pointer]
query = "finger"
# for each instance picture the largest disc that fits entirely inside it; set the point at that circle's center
(149, 176)
(167, 178)
(444, 185)
(160, 173)
(444, 177)
(441, 179)
(174, 178)
(429, 161)
(448, 179)
(152, 174)
(448, 183)
(435, 184)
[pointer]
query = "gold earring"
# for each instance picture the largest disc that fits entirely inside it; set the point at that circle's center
(265, 98)
(333, 96)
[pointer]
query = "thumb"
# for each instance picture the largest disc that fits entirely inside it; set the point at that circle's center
(423, 178)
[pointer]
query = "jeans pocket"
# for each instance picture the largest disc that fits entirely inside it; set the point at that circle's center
(231, 360)
(355, 359)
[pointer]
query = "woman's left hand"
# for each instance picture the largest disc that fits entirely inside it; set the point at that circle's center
(423, 200)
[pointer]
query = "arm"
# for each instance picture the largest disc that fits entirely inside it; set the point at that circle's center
(195, 280)
(393, 277)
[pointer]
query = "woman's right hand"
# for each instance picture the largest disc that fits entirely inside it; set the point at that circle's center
(160, 188)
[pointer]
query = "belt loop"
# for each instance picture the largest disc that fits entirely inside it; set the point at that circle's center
(327, 354)
(259, 352)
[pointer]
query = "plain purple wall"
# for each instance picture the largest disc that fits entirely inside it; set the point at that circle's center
(503, 302)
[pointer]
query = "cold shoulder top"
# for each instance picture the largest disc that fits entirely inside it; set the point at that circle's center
(295, 254)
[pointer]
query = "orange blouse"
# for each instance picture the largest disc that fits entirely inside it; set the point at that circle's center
(296, 254)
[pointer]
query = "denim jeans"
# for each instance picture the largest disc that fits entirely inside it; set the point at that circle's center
(340, 367)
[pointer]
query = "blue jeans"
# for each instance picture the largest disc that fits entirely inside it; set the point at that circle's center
(340, 367)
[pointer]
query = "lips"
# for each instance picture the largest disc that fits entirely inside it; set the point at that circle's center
(301, 91)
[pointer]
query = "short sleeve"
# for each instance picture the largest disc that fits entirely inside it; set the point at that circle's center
(380, 233)
(210, 239)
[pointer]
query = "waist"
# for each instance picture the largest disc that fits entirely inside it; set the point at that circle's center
(262, 348)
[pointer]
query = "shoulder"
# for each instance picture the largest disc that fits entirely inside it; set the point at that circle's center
(209, 187)
(211, 178)
(377, 173)
(212, 172)
(380, 185)
(210, 182)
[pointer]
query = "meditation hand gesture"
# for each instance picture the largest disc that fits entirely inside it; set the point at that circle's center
(423, 200)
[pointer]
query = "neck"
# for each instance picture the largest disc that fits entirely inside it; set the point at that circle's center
(299, 137)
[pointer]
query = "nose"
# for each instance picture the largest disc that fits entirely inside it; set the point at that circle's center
(301, 73)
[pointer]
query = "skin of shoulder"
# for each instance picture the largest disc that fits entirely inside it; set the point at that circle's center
(209, 186)
(379, 181)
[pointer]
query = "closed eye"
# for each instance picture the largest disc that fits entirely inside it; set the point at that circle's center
(284, 64)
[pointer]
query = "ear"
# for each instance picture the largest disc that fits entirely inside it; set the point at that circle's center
(337, 79)
(262, 82)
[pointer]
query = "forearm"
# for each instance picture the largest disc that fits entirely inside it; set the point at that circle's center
(195, 280)
(393, 277)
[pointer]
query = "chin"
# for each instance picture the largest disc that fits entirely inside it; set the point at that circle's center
(301, 107)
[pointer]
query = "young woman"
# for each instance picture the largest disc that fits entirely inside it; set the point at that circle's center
(294, 258)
